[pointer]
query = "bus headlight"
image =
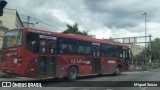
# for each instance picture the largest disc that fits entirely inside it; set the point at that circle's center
(19, 60)
(15, 61)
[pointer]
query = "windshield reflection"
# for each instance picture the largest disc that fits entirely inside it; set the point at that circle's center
(12, 39)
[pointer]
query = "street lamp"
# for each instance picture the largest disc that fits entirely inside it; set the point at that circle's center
(145, 15)
(35, 24)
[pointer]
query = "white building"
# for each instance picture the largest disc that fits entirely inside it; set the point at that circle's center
(10, 20)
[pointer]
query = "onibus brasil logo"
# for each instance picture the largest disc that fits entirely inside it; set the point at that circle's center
(20, 84)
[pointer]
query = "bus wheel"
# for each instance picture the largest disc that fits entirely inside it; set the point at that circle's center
(117, 71)
(72, 73)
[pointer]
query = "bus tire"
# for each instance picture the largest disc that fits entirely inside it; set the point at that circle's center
(72, 73)
(117, 71)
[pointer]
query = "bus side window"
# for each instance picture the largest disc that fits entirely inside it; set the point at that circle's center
(32, 42)
(80, 49)
(75, 47)
(66, 49)
(87, 50)
(62, 46)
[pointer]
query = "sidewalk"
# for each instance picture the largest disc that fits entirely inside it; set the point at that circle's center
(133, 72)
(143, 67)
(13, 78)
(141, 71)
(17, 79)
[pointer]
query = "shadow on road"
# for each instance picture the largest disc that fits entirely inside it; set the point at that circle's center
(64, 82)
(97, 76)
(79, 78)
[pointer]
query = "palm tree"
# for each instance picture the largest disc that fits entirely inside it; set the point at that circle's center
(74, 30)
(85, 33)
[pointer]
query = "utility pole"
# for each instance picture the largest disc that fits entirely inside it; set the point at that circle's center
(145, 15)
(28, 20)
(150, 49)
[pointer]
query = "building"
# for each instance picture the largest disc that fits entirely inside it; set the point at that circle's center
(10, 20)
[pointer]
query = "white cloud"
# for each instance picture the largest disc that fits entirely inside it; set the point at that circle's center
(100, 33)
(95, 16)
(61, 16)
(153, 28)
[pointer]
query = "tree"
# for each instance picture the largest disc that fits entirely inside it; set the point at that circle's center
(85, 33)
(155, 51)
(74, 30)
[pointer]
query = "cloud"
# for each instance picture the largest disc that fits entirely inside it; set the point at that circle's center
(61, 16)
(105, 18)
(121, 14)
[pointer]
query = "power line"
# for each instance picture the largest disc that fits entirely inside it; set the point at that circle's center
(35, 19)
(47, 24)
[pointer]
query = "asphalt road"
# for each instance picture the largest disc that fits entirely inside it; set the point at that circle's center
(108, 82)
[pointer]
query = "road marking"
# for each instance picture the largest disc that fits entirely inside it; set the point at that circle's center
(144, 88)
(134, 72)
(145, 71)
(108, 89)
(85, 89)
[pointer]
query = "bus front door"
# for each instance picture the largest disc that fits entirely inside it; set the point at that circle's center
(96, 63)
(47, 55)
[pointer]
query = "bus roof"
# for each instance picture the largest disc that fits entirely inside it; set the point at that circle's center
(73, 36)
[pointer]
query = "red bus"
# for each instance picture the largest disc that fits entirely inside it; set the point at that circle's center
(42, 54)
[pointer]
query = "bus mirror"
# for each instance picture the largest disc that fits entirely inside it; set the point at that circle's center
(14, 42)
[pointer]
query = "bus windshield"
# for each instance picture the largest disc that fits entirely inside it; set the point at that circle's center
(12, 39)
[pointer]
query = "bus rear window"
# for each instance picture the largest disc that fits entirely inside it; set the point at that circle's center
(12, 39)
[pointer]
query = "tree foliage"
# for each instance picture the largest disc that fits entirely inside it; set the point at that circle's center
(74, 30)
(155, 51)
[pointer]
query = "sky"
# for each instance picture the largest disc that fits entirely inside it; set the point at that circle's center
(103, 18)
